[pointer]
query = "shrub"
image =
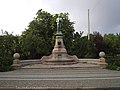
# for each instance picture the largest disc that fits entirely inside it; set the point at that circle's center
(6, 68)
(5, 64)
(113, 63)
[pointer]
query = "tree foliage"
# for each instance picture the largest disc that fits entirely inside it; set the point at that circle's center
(82, 47)
(38, 39)
(8, 45)
(98, 41)
(112, 44)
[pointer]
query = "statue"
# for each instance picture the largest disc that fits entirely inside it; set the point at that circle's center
(58, 20)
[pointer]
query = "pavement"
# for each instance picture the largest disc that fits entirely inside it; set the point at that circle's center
(82, 78)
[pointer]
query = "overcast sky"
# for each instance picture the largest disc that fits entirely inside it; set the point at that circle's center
(15, 15)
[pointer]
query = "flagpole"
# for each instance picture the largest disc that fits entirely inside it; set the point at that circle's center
(88, 24)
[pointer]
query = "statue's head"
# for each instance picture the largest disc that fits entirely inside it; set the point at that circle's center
(59, 18)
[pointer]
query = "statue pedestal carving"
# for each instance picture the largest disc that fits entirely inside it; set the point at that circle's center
(59, 54)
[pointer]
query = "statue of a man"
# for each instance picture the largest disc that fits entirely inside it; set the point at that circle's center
(58, 20)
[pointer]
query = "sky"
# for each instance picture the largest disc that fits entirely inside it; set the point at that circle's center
(15, 15)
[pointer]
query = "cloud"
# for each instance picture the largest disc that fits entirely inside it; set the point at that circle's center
(104, 14)
(108, 16)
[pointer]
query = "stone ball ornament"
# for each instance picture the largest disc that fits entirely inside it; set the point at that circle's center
(16, 56)
(102, 54)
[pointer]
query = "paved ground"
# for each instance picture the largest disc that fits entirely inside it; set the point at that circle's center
(60, 78)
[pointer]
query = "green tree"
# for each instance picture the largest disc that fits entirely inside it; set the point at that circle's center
(78, 45)
(82, 47)
(112, 44)
(8, 46)
(98, 41)
(38, 39)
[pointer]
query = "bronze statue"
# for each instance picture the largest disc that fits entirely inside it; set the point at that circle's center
(58, 20)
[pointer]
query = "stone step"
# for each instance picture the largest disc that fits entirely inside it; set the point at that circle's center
(60, 79)
(43, 66)
(88, 84)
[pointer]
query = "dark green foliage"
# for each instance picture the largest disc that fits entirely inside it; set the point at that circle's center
(98, 41)
(113, 63)
(91, 50)
(82, 47)
(78, 45)
(36, 41)
(8, 45)
(112, 44)
(5, 64)
(6, 68)
(5, 61)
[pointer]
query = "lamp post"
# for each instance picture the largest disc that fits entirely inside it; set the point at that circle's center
(88, 24)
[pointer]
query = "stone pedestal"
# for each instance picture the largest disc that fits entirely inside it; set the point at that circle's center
(102, 60)
(59, 53)
(16, 62)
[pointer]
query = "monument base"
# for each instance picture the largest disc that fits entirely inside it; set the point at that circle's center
(16, 64)
(60, 60)
(59, 54)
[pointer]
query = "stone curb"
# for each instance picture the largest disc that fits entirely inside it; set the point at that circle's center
(54, 88)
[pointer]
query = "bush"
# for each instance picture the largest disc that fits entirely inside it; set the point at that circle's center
(6, 68)
(5, 64)
(113, 63)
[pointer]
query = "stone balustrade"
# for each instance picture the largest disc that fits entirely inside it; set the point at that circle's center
(19, 63)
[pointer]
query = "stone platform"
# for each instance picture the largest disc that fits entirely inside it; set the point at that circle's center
(82, 78)
(44, 66)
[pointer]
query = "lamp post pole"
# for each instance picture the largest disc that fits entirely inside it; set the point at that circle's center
(88, 25)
